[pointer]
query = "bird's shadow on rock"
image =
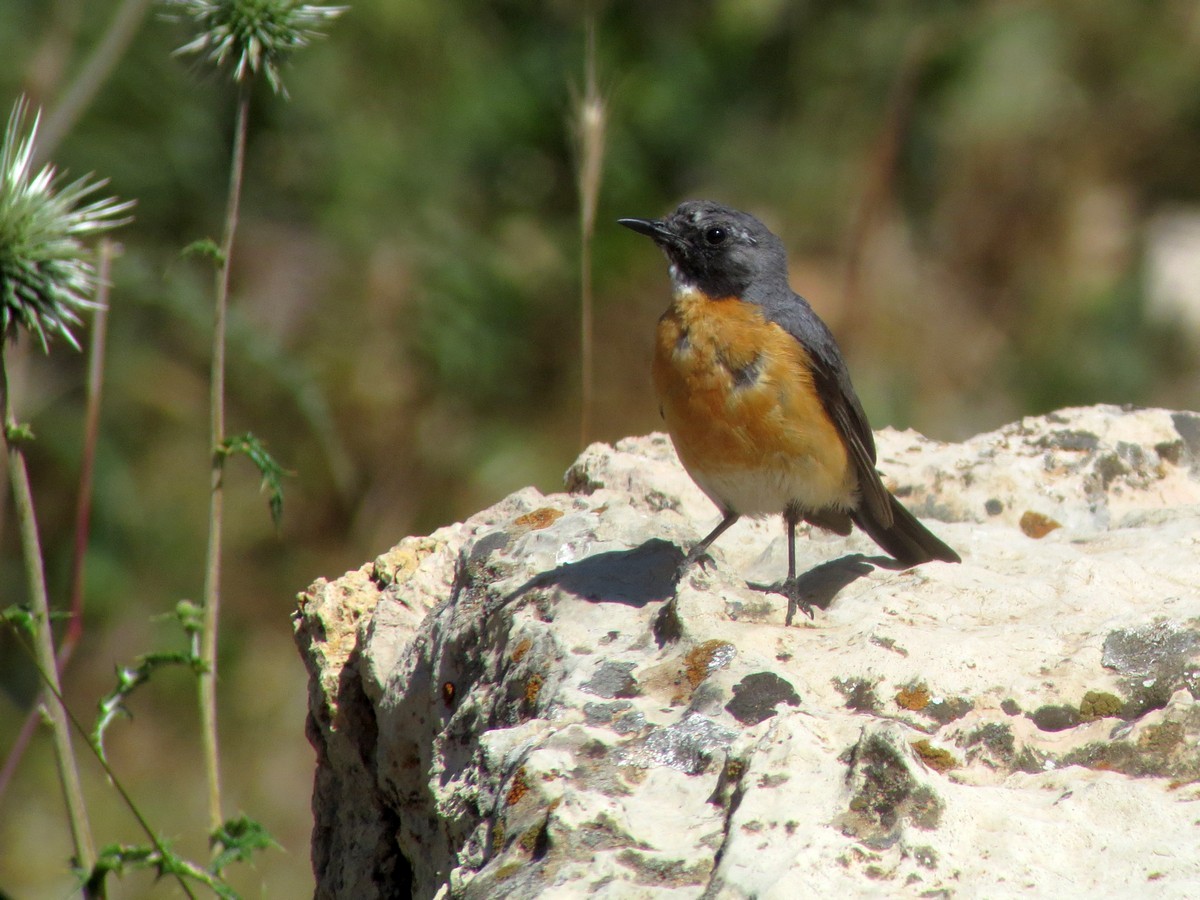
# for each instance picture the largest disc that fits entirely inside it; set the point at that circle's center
(820, 584)
(644, 574)
(650, 573)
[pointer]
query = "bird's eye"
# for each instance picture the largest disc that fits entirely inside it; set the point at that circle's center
(716, 236)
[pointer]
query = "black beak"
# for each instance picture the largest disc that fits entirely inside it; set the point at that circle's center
(655, 230)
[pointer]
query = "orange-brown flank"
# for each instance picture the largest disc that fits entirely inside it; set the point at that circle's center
(739, 402)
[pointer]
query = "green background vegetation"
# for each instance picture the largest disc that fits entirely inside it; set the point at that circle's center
(965, 190)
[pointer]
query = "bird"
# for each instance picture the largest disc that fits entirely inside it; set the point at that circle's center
(757, 398)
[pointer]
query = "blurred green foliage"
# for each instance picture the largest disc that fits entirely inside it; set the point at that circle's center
(965, 190)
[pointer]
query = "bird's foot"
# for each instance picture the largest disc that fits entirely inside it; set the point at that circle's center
(789, 588)
(702, 559)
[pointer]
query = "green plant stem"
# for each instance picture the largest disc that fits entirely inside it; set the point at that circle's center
(68, 773)
(212, 568)
(112, 776)
(106, 250)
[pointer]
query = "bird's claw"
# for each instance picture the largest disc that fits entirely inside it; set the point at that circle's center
(790, 589)
(703, 560)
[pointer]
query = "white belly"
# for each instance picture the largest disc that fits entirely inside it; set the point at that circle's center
(770, 489)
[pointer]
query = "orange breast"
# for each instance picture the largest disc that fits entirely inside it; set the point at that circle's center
(739, 402)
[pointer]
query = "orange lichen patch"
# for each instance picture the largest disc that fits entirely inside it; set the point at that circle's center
(913, 698)
(702, 660)
(1036, 525)
(533, 687)
(521, 649)
(519, 788)
(935, 757)
(448, 692)
(539, 518)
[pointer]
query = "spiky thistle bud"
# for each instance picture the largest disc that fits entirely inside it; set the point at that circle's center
(46, 273)
(252, 36)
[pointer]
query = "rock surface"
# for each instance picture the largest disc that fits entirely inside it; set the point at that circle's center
(509, 706)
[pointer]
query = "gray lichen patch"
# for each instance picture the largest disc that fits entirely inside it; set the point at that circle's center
(859, 693)
(1072, 441)
(944, 710)
(688, 745)
(993, 744)
(605, 833)
(1156, 659)
(756, 696)
(661, 872)
(612, 680)
(886, 793)
(1149, 650)
(604, 713)
(1055, 717)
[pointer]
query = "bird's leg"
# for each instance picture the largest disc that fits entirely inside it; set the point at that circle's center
(790, 587)
(699, 553)
(667, 626)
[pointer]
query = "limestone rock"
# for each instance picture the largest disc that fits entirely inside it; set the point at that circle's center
(511, 706)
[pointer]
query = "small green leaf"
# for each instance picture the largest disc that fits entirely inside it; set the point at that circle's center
(207, 249)
(190, 617)
(117, 859)
(237, 840)
(18, 433)
(272, 473)
(129, 679)
(19, 617)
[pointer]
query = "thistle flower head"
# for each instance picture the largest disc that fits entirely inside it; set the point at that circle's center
(252, 36)
(46, 273)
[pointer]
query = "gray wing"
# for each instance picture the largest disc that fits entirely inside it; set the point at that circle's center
(837, 395)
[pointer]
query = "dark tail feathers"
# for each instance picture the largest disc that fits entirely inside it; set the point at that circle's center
(910, 542)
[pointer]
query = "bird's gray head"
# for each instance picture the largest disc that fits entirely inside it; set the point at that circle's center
(721, 251)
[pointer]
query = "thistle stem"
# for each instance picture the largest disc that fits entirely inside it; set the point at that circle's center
(154, 839)
(212, 569)
(105, 252)
(68, 773)
(91, 432)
